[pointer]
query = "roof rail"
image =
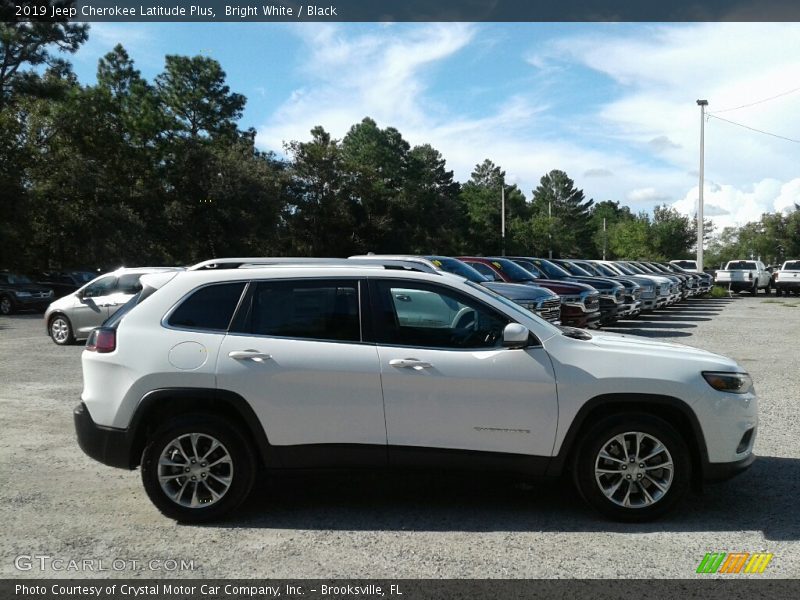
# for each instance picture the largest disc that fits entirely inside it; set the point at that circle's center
(251, 262)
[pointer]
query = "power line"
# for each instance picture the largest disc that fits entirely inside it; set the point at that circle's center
(775, 135)
(716, 112)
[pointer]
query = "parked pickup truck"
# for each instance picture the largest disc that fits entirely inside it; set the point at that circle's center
(745, 275)
(787, 279)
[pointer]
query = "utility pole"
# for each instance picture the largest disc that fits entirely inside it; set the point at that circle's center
(503, 217)
(604, 238)
(550, 226)
(702, 104)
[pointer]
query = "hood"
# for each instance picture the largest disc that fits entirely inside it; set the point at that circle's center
(564, 287)
(600, 283)
(517, 291)
(31, 288)
(640, 345)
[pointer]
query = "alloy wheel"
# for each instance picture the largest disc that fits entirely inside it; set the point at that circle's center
(195, 470)
(634, 469)
(59, 329)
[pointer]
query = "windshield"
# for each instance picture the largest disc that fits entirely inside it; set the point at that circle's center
(630, 269)
(512, 270)
(456, 267)
(686, 264)
(741, 265)
(513, 306)
(575, 269)
(83, 276)
(791, 265)
(552, 270)
(531, 268)
(14, 278)
(601, 269)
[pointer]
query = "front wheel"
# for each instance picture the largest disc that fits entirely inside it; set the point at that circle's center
(198, 468)
(632, 467)
(6, 306)
(61, 330)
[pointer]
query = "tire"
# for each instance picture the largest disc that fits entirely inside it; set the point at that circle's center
(219, 488)
(777, 291)
(619, 483)
(754, 289)
(768, 288)
(6, 305)
(60, 330)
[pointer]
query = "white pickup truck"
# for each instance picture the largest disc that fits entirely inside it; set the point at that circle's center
(787, 279)
(745, 275)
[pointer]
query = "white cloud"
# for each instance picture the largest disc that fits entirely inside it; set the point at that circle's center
(647, 136)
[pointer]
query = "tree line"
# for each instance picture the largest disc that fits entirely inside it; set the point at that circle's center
(130, 171)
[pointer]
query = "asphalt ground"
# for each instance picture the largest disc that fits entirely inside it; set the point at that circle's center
(56, 502)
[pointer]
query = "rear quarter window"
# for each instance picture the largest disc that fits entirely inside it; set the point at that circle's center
(208, 308)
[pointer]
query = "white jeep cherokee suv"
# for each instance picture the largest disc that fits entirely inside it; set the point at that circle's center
(210, 375)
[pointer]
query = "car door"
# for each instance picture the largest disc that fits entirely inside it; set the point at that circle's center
(90, 310)
(299, 359)
(448, 384)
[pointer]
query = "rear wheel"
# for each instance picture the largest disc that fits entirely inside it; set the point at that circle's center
(198, 468)
(632, 467)
(768, 288)
(778, 291)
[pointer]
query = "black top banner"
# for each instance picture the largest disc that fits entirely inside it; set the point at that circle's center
(400, 10)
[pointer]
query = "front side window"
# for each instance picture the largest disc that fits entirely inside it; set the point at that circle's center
(423, 315)
(129, 284)
(318, 309)
(101, 287)
(209, 308)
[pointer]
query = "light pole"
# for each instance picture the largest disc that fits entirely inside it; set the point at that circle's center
(503, 218)
(702, 104)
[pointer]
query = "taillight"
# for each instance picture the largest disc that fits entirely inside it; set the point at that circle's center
(102, 340)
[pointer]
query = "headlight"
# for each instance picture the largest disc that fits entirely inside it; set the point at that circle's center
(49, 293)
(528, 304)
(22, 294)
(735, 383)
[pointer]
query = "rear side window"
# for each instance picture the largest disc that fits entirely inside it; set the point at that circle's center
(319, 309)
(209, 308)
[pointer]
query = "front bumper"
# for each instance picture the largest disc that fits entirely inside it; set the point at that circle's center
(107, 445)
(723, 471)
(575, 316)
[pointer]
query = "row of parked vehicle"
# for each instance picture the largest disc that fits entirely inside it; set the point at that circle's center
(752, 276)
(571, 292)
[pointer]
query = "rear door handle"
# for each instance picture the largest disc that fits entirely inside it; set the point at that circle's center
(409, 363)
(253, 355)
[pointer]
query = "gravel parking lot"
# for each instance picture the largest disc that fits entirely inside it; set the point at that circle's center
(55, 501)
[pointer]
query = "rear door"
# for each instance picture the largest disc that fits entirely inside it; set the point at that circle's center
(447, 382)
(298, 357)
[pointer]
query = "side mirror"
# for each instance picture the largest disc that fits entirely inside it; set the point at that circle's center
(516, 336)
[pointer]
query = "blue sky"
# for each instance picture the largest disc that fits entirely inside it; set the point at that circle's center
(611, 104)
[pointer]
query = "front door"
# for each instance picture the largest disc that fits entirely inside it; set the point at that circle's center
(447, 381)
(90, 309)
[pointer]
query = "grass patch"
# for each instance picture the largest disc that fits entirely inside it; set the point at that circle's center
(718, 292)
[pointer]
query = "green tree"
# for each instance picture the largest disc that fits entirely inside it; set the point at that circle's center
(629, 238)
(26, 47)
(481, 201)
(671, 234)
(564, 209)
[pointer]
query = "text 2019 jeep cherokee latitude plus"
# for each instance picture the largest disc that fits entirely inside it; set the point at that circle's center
(210, 375)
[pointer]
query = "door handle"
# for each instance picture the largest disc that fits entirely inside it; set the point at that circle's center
(253, 355)
(409, 363)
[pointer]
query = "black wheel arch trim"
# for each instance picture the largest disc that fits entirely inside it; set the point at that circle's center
(208, 399)
(640, 402)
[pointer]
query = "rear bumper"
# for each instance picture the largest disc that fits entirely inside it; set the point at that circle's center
(787, 285)
(723, 471)
(107, 445)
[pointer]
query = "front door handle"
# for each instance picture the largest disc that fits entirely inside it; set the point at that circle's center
(253, 355)
(409, 363)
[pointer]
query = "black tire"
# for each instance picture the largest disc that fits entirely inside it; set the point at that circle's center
(754, 289)
(57, 327)
(768, 288)
(6, 305)
(777, 291)
(242, 468)
(599, 437)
